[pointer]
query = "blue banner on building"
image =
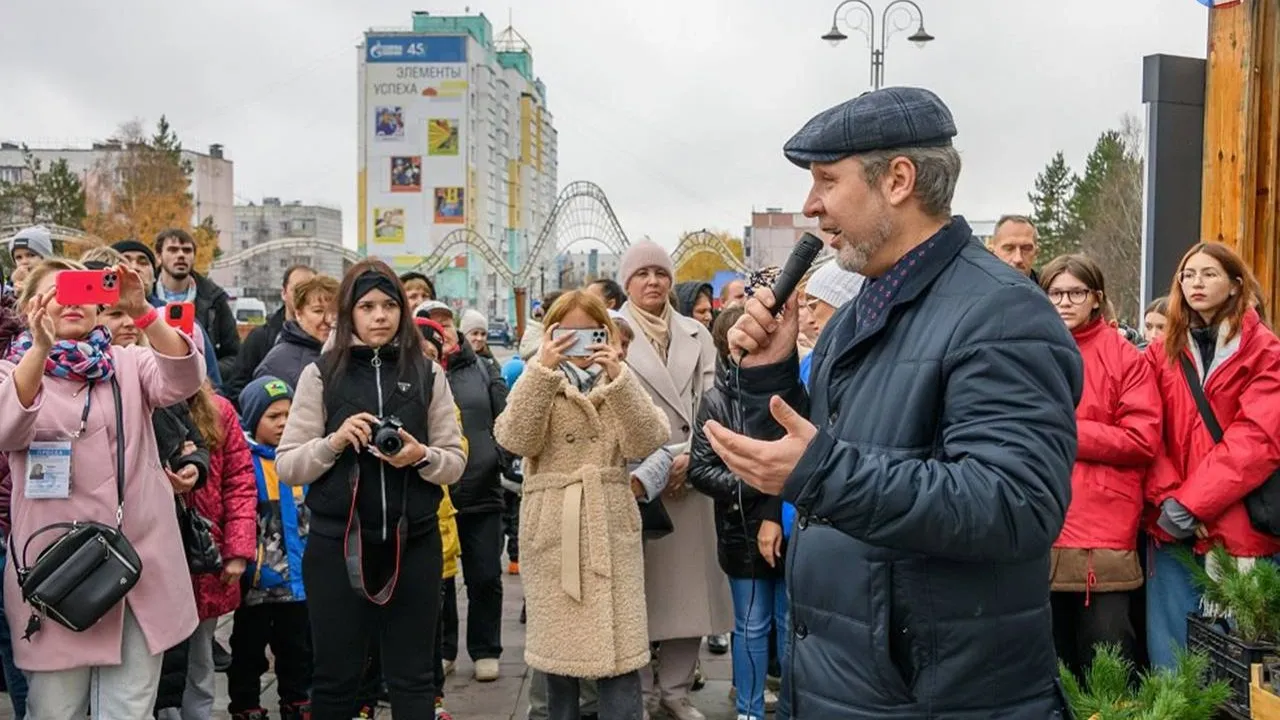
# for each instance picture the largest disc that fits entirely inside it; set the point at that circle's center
(416, 48)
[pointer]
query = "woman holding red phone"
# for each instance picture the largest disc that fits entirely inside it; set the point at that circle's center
(56, 392)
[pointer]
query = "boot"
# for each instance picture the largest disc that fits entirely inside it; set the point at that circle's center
(296, 711)
(255, 714)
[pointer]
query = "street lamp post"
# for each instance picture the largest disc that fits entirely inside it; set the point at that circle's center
(896, 9)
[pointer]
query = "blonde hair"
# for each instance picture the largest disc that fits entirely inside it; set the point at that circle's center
(321, 285)
(52, 266)
(103, 254)
(587, 303)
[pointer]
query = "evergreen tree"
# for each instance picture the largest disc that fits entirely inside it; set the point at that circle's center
(52, 197)
(1051, 204)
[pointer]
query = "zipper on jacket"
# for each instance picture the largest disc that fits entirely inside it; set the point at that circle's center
(382, 468)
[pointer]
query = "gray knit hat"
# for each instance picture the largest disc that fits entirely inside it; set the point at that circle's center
(834, 286)
(35, 239)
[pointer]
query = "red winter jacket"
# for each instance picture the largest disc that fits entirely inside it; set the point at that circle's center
(230, 501)
(1118, 425)
(1211, 480)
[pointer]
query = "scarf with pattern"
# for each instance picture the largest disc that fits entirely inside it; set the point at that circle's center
(84, 360)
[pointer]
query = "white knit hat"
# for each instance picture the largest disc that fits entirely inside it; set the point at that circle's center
(473, 320)
(834, 286)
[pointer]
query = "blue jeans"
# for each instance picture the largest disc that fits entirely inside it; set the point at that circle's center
(758, 605)
(14, 680)
(1170, 597)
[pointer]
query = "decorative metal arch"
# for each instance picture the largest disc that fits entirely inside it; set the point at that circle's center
(465, 236)
(582, 211)
(61, 233)
(285, 244)
(704, 241)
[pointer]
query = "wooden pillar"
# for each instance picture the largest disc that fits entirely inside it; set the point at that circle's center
(1241, 193)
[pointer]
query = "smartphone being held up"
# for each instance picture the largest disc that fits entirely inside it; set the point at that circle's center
(181, 316)
(87, 287)
(583, 340)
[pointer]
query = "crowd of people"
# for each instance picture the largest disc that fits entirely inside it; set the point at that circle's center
(999, 471)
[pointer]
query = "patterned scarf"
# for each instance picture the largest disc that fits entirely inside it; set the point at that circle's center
(656, 328)
(582, 378)
(80, 360)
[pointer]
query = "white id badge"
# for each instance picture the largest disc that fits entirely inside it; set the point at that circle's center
(48, 470)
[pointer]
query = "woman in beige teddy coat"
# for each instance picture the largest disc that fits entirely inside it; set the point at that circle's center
(576, 420)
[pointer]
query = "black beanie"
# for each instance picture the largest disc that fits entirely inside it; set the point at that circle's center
(125, 246)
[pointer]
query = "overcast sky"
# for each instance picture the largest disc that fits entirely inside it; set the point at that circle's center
(677, 108)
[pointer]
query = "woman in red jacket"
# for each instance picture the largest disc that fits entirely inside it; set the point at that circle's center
(1216, 339)
(229, 501)
(1095, 559)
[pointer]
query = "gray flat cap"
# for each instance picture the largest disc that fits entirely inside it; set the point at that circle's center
(880, 120)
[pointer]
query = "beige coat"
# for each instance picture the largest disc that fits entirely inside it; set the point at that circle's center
(580, 553)
(687, 591)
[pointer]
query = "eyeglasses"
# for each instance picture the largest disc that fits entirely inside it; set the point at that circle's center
(1207, 275)
(1075, 295)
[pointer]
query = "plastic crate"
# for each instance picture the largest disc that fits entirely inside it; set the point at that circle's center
(1230, 659)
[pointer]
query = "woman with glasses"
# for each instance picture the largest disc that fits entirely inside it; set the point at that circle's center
(302, 338)
(1095, 558)
(1215, 344)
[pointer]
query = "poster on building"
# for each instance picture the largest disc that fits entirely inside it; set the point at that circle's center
(415, 97)
(450, 202)
(442, 136)
(388, 226)
(406, 174)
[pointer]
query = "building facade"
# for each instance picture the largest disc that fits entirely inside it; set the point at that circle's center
(212, 178)
(262, 251)
(769, 238)
(457, 158)
(579, 269)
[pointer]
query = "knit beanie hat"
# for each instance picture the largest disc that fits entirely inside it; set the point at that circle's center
(257, 396)
(473, 320)
(641, 255)
(834, 286)
(426, 307)
(36, 239)
(125, 246)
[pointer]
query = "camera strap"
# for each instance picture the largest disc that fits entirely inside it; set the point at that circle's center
(353, 543)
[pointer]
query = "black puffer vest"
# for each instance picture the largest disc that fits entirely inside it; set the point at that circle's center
(372, 383)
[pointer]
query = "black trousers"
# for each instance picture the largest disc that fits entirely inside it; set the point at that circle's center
(343, 622)
(449, 620)
(620, 697)
(286, 629)
(480, 535)
(511, 524)
(1077, 628)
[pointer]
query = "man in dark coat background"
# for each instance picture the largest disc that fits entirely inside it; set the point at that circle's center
(931, 467)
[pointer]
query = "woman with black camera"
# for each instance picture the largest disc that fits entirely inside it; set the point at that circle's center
(373, 431)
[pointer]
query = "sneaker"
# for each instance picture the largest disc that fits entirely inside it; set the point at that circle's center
(513, 568)
(748, 717)
(296, 711)
(254, 714)
(449, 666)
(367, 712)
(441, 713)
(699, 680)
(682, 709)
(718, 644)
(770, 700)
(487, 670)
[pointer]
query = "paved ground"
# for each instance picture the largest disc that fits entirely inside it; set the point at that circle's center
(506, 699)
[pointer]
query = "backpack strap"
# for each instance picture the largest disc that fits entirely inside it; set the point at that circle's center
(1202, 402)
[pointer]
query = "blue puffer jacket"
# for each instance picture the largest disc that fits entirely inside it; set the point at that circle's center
(936, 485)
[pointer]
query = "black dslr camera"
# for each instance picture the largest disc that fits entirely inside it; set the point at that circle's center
(386, 435)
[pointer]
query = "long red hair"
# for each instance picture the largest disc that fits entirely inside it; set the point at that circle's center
(1182, 318)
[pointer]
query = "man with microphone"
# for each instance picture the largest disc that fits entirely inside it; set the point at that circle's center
(931, 467)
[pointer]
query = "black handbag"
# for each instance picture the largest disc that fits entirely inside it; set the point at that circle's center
(655, 521)
(89, 569)
(203, 556)
(1263, 504)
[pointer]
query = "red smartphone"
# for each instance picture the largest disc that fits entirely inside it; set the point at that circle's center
(87, 287)
(181, 315)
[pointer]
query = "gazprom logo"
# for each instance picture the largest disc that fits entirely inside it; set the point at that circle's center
(379, 50)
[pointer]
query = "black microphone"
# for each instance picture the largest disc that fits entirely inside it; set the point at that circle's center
(798, 263)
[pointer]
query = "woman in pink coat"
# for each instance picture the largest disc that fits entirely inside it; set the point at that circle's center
(61, 366)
